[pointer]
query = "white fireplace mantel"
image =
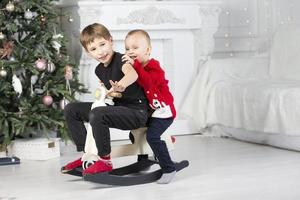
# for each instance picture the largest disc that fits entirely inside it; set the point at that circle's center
(181, 33)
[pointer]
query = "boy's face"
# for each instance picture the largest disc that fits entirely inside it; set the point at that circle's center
(101, 50)
(137, 47)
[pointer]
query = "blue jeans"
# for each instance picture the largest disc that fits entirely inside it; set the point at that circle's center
(156, 127)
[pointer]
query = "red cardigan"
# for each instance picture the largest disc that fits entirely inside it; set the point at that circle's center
(152, 79)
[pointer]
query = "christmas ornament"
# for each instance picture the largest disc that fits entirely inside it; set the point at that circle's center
(68, 72)
(10, 7)
(54, 105)
(55, 43)
(80, 87)
(7, 49)
(63, 103)
(28, 14)
(33, 79)
(50, 67)
(40, 64)
(17, 85)
(3, 73)
(38, 91)
(70, 19)
(43, 19)
(2, 36)
(47, 100)
(57, 36)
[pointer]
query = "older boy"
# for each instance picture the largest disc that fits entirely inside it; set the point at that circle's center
(129, 111)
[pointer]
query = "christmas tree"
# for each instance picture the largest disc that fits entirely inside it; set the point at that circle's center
(37, 77)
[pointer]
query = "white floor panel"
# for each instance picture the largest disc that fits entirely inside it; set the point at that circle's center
(219, 169)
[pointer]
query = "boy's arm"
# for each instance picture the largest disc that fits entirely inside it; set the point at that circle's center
(149, 78)
(130, 76)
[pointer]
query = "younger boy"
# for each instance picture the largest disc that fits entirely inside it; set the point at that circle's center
(129, 112)
(152, 79)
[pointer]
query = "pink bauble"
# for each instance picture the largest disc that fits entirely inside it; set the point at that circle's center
(47, 100)
(41, 64)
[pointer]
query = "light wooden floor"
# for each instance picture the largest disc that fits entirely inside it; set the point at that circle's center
(220, 169)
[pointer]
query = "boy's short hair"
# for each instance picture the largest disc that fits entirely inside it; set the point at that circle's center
(140, 31)
(92, 31)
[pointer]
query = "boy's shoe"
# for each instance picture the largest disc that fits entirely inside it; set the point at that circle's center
(72, 165)
(98, 167)
(166, 178)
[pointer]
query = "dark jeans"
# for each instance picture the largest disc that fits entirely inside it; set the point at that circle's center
(156, 128)
(101, 119)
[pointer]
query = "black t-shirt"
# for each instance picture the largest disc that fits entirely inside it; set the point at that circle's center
(133, 96)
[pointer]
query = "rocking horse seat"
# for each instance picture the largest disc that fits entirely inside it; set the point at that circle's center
(139, 144)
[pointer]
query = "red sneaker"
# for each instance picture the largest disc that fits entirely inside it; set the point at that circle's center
(98, 167)
(72, 165)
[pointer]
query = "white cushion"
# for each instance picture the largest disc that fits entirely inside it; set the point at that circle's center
(285, 54)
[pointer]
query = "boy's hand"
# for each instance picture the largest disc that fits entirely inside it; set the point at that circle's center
(127, 59)
(113, 94)
(116, 87)
(101, 83)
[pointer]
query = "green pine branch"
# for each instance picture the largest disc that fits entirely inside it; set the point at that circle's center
(26, 113)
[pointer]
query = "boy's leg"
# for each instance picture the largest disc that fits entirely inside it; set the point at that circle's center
(120, 117)
(76, 114)
(103, 118)
(156, 128)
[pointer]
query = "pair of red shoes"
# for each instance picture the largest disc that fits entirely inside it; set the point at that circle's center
(98, 167)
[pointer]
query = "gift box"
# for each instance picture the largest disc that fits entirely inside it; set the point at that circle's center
(36, 149)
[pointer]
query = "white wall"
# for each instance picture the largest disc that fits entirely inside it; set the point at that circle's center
(246, 26)
(182, 33)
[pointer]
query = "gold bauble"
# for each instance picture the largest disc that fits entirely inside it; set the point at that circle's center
(2, 36)
(10, 7)
(43, 18)
(3, 73)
